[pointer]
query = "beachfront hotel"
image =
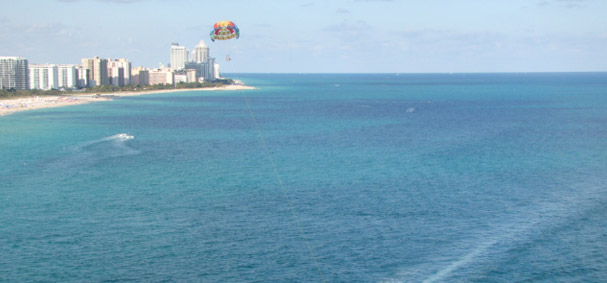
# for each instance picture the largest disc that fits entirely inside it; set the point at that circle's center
(205, 67)
(140, 76)
(51, 76)
(43, 76)
(179, 56)
(119, 72)
(96, 71)
(68, 76)
(13, 73)
(161, 76)
(200, 53)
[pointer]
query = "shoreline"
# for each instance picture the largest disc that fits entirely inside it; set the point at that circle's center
(13, 105)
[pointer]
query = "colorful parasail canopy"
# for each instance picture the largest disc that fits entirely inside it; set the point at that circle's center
(224, 30)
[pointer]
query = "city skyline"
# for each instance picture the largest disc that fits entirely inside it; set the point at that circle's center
(20, 74)
(315, 36)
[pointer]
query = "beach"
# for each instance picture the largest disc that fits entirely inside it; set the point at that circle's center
(13, 105)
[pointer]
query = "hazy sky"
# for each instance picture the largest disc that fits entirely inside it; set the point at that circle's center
(318, 36)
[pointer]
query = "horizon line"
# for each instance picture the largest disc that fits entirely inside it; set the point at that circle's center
(413, 73)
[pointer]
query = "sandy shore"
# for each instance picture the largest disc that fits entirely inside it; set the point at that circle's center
(225, 87)
(9, 106)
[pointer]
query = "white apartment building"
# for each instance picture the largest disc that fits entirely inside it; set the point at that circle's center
(83, 77)
(43, 76)
(201, 52)
(191, 76)
(179, 56)
(51, 76)
(216, 74)
(210, 72)
(119, 72)
(161, 76)
(67, 76)
(181, 77)
(13, 73)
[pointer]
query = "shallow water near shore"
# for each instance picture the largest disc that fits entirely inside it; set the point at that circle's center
(394, 178)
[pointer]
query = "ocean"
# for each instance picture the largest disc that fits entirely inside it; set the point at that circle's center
(312, 178)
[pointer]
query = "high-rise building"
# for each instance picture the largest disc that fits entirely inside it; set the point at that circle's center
(161, 76)
(179, 56)
(210, 74)
(97, 71)
(191, 76)
(180, 77)
(198, 70)
(50, 76)
(119, 72)
(201, 52)
(14, 73)
(216, 74)
(140, 76)
(68, 76)
(43, 76)
(207, 70)
(88, 65)
(83, 76)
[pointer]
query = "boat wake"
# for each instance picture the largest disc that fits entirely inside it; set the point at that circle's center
(93, 152)
(117, 137)
(112, 146)
(491, 246)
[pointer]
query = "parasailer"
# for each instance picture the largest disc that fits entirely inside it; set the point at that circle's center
(224, 30)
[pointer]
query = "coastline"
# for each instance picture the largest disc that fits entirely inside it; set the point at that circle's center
(13, 105)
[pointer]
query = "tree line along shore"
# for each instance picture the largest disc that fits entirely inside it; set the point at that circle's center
(16, 101)
(12, 93)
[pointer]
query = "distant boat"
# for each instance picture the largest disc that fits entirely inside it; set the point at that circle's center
(124, 137)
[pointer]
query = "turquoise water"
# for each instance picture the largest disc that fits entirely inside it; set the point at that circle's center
(396, 178)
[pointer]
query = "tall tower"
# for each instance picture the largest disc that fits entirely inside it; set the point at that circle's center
(179, 56)
(119, 72)
(97, 71)
(68, 76)
(201, 52)
(13, 73)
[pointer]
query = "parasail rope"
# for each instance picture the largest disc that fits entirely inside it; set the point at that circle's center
(282, 186)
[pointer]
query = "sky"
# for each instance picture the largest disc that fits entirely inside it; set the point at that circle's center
(325, 36)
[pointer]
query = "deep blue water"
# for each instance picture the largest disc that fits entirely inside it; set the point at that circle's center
(396, 178)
